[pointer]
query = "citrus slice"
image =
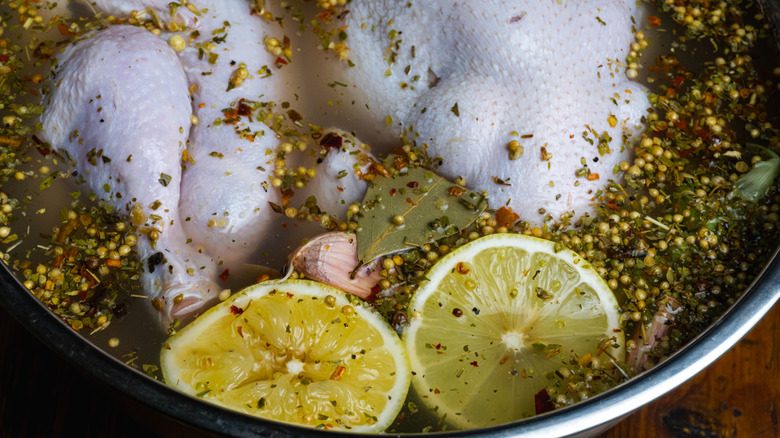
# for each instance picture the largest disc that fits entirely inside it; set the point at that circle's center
(296, 351)
(495, 317)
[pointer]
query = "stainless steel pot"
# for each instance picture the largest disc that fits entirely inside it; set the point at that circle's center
(587, 418)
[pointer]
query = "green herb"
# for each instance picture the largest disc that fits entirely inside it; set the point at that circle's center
(754, 185)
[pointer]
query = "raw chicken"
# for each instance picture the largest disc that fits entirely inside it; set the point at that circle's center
(468, 78)
(215, 213)
(225, 190)
(121, 109)
(225, 193)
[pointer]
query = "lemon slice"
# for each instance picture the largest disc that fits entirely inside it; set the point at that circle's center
(296, 351)
(495, 317)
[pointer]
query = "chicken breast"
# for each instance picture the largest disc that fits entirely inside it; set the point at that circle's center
(469, 78)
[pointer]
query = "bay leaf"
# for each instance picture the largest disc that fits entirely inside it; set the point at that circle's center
(411, 209)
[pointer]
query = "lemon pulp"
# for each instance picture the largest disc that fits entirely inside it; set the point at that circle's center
(296, 352)
(495, 317)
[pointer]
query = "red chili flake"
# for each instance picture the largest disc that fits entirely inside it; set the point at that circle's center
(593, 177)
(409, 200)
(436, 391)
(64, 30)
(682, 124)
(504, 359)
(236, 310)
(676, 82)
(684, 153)
(338, 372)
(85, 273)
(43, 51)
(437, 346)
(331, 140)
(3, 58)
(506, 217)
(613, 206)
(225, 275)
(412, 185)
(543, 403)
(392, 192)
(474, 364)
(240, 331)
(280, 61)
(374, 293)
(654, 20)
(243, 108)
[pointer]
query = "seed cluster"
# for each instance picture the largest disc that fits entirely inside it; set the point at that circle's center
(678, 227)
(89, 269)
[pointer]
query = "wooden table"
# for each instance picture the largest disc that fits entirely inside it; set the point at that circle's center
(42, 396)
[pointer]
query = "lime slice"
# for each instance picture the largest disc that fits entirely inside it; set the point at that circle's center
(495, 317)
(296, 351)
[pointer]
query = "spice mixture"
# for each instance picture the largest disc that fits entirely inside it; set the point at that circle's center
(686, 232)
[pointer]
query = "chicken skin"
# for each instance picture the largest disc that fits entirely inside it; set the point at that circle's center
(121, 110)
(527, 100)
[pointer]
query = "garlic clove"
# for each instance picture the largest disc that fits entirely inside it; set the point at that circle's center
(331, 258)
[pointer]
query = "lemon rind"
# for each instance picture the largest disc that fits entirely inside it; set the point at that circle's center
(299, 287)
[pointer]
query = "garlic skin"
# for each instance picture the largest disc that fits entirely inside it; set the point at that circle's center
(646, 338)
(331, 258)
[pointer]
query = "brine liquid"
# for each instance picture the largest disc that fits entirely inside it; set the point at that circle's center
(138, 331)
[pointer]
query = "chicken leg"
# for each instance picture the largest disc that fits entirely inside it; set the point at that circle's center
(121, 109)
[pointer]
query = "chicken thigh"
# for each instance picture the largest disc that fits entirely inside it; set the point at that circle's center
(121, 109)
(469, 78)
